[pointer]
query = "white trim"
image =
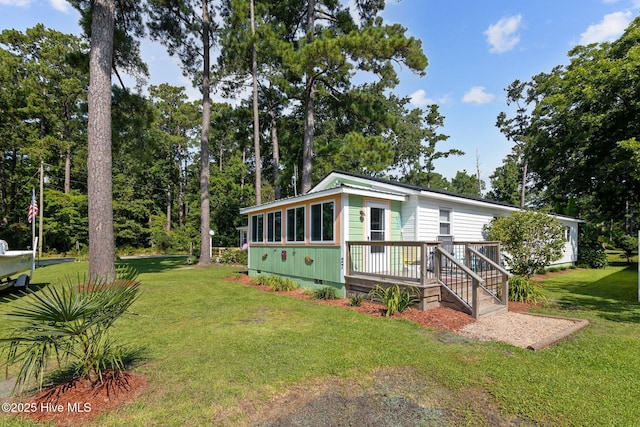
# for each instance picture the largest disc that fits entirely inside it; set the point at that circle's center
(286, 231)
(345, 189)
(344, 234)
(321, 203)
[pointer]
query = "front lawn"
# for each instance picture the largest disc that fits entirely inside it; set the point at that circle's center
(217, 352)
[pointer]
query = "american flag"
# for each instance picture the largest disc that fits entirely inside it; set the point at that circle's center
(33, 209)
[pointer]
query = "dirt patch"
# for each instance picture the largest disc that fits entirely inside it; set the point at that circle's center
(387, 397)
(77, 402)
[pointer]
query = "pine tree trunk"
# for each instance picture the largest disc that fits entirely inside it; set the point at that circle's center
(205, 210)
(101, 239)
(67, 170)
(256, 119)
(309, 106)
(276, 154)
(523, 190)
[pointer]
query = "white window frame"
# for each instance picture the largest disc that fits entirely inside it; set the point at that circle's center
(271, 222)
(449, 222)
(322, 229)
(255, 237)
(295, 222)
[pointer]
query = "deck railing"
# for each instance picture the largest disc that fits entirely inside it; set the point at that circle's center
(409, 261)
(465, 268)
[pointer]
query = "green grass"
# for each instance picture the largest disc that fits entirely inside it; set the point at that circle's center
(208, 346)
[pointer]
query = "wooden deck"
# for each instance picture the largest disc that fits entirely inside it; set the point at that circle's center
(461, 278)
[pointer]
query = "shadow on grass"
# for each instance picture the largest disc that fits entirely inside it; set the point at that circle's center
(14, 294)
(614, 297)
(131, 358)
(155, 264)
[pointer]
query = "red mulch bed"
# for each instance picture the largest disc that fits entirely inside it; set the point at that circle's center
(77, 402)
(438, 318)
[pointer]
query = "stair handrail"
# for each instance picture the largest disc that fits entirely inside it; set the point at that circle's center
(489, 261)
(505, 274)
(460, 265)
(476, 281)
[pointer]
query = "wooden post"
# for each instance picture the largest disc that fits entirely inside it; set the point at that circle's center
(474, 298)
(424, 263)
(505, 290)
(437, 259)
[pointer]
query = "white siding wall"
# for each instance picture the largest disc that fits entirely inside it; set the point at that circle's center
(409, 218)
(421, 221)
(428, 221)
(570, 247)
(466, 222)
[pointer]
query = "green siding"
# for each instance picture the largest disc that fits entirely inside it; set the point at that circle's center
(348, 181)
(396, 220)
(356, 225)
(323, 270)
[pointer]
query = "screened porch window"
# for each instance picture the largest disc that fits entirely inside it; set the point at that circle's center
(295, 224)
(257, 228)
(274, 226)
(322, 222)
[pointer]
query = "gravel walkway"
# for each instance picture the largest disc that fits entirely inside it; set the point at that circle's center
(521, 330)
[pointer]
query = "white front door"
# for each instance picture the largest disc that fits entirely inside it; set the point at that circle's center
(377, 229)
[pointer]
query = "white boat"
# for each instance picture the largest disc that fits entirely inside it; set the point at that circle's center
(13, 262)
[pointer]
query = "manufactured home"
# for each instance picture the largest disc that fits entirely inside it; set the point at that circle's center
(353, 232)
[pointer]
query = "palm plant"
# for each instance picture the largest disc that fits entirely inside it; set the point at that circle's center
(72, 323)
(394, 299)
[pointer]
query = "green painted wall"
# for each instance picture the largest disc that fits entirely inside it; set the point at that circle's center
(396, 220)
(323, 270)
(344, 180)
(356, 225)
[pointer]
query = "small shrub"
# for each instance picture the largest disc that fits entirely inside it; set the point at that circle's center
(592, 255)
(355, 301)
(326, 292)
(629, 247)
(277, 283)
(69, 323)
(233, 256)
(394, 299)
(522, 289)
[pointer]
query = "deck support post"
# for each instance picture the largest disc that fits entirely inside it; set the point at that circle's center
(475, 306)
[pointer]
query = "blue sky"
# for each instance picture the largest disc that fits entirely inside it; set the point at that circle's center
(475, 50)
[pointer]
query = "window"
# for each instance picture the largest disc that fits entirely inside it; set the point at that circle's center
(322, 222)
(257, 228)
(445, 222)
(274, 227)
(567, 234)
(295, 224)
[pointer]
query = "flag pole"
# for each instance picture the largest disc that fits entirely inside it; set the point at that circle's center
(41, 210)
(33, 221)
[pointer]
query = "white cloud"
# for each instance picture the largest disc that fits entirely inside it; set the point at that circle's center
(61, 5)
(477, 95)
(19, 3)
(419, 99)
(612, 26)
(502, 36)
